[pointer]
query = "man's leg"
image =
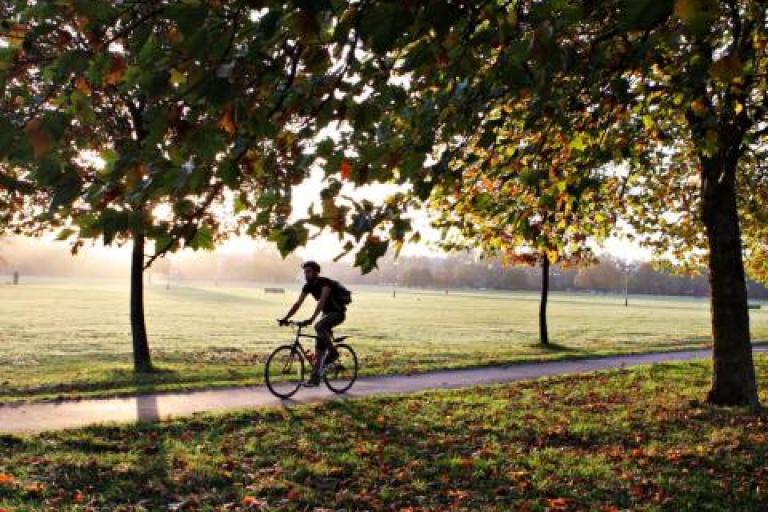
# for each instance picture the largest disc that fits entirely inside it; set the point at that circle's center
(324, 346)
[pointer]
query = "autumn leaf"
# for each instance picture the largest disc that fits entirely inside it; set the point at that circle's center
(116, 71)
(34, 488)
(177, 77)
(346, 169)
(558, 503)
(697, 15)
(82, 85)
(6, 479)
(38, 137)
(15, 36)
(699, 108)
(294, 494)
(227, 121)
(727, 69)
(254, 503)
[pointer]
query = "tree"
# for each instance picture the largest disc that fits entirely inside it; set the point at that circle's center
(650, 93)
(139, 121)
(509, 202)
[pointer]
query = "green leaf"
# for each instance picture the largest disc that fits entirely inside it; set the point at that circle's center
(65, 234)
(644, 14)
(203, 239)
(578, 143)
(382, 23)
(373, 249)
(289, 238)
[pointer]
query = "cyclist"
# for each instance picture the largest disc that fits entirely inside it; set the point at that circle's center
(332, 304)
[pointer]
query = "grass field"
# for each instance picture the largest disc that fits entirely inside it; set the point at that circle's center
(68, 338)
(635, 439)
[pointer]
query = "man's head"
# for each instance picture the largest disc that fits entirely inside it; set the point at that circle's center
(311, 270)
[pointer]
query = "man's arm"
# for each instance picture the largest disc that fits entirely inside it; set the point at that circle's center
(324, 295)
(294, 308)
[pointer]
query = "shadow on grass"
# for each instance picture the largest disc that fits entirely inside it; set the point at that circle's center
(554, 347)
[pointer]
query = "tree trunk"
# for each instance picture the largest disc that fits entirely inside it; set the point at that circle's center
(626, 290)
(543, 334)
(142, 361)
(733, 381)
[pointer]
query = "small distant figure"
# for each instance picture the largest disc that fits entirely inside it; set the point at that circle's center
(16, 277)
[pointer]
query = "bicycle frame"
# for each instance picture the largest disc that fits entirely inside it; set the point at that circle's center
(297, 342)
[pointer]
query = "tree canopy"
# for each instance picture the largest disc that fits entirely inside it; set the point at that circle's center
(658, 109)
(668, 95)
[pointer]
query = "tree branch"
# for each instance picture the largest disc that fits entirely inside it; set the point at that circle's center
(15, 185)
(298, 49)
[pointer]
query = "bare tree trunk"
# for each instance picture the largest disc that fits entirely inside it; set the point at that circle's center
(543, 334)
(142, 361)
(733, 381)
(626, 289)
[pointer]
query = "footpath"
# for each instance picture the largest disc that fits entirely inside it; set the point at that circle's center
(39, 417)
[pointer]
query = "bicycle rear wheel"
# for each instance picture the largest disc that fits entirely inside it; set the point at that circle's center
(342, 373)
(284, 372)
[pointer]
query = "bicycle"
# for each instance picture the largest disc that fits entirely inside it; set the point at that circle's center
(285, 369)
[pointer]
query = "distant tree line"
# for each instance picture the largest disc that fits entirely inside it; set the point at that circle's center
(451, 271)
(607, 276)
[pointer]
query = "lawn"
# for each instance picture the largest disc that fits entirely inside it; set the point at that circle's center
(636, 439)
(67, 338)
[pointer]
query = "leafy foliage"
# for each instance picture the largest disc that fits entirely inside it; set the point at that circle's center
(115, 110)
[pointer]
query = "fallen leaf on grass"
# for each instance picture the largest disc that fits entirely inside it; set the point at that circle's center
(34, 488)
(6, 479)
(558, 503)
(254, 503)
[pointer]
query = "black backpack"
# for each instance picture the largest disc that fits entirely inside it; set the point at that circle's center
(341, 294)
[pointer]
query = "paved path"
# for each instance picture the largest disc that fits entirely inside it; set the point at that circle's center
(38, 417)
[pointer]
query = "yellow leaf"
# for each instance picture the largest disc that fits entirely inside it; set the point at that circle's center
(553, 255)
(177, 78)
(34, 487)
(15, 36)
(739, 108)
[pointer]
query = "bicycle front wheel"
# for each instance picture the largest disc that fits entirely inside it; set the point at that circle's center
(284, 373)
(342, 373)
